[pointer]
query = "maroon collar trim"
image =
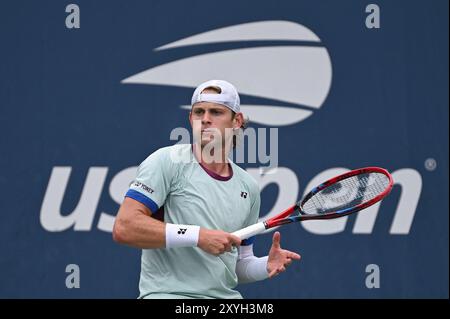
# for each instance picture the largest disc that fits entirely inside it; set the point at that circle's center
(213, 174)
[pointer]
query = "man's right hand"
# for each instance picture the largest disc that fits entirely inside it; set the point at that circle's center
(216, 242)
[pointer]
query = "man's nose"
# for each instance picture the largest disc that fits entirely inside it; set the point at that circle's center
(206, 118)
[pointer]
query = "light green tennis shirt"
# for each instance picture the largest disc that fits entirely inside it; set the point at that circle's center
(179, 190)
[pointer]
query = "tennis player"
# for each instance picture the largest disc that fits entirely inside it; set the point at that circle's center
(185, 202)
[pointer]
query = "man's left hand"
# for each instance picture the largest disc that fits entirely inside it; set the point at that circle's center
(279, 258)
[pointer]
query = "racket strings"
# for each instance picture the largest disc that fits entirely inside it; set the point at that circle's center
(346, 193)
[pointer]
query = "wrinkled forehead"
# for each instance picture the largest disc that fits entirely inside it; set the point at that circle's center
(209, 105)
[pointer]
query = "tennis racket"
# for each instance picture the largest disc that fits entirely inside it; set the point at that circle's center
(340, 196)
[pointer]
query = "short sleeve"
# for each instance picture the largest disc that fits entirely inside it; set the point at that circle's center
(153, 180)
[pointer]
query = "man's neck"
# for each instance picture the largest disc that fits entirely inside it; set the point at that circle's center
(219, 166)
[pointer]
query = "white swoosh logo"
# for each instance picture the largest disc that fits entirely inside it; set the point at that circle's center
(254, 31)
(298, 75)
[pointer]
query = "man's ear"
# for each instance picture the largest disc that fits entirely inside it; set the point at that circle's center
(190, 117)
(239, 120)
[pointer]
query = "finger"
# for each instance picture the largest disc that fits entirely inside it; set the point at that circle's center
(235, 240)
(276, 240)
(288, 262)
(281, 269)
(273, 273)
(294, 256)
(226, 247)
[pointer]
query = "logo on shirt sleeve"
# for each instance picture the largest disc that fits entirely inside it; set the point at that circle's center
(144, 187)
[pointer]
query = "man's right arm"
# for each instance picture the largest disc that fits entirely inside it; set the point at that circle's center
(135, 227)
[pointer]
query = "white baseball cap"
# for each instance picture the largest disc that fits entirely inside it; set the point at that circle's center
(228, 95)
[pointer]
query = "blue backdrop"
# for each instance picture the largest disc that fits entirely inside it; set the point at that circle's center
(81, 107)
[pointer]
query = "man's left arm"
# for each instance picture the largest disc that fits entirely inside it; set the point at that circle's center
(250, 268)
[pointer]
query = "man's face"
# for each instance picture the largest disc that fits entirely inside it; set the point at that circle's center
(209, 119)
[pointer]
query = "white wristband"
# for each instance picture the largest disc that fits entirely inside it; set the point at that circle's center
(250, 268)
(259, 268)
(181, 235)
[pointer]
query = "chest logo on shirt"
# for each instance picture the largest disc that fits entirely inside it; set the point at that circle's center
(244, 194)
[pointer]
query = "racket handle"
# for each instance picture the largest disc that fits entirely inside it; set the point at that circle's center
(250, 231)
